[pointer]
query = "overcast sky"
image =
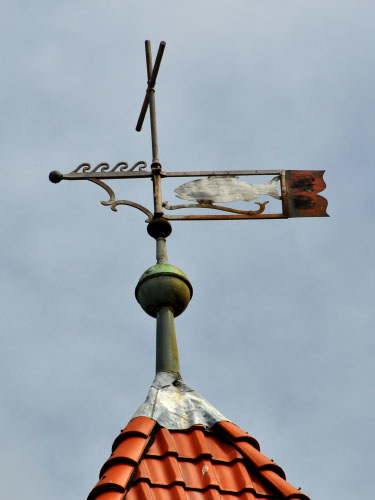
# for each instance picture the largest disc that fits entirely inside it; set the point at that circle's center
(279, 335)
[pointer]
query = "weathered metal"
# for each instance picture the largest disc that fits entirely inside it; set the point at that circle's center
(225, 217)
(161, 251)
(298, 189)
(212, 206)
(121, 166)
(302, 188)
(163, 285)
(299, 193)
(149, 101)
(113, 203)
(167, 359)
(152, 73)
(156, 183)
(174, 405)
(164, 292)
(220, 173)
(159, 228)
(55, 176)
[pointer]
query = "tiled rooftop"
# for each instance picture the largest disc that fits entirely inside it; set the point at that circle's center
(178, 446)
(151, 462)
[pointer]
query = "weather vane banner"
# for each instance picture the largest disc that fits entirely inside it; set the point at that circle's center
(220, 191)
(216, 194)
(302, 188)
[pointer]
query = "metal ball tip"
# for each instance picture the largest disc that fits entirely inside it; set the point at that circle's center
(55, 176)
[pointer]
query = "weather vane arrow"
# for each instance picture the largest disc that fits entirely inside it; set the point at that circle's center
(297, 190)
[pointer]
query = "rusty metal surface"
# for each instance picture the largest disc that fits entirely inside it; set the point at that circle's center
(299, 189)
(212, 206)
(174, 405)
(121, 171)
(149, 102)
(303, 187)
(113, 203)
(299, 195)
(224, 217)
(156, 183)
(207, 173)
(103, 170)
(103, 166)
(106, 175)
(152, 74)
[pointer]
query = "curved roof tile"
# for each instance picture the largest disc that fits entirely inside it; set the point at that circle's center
(224, 462)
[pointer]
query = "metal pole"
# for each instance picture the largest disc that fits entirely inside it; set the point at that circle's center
(161, 251)
(166, 344)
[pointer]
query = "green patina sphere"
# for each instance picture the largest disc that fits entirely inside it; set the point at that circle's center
(163, 285)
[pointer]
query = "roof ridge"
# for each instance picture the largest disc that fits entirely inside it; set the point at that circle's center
(267, 468)
(150, 441)
(120, 467)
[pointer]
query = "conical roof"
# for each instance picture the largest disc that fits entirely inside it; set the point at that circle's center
(178, 446)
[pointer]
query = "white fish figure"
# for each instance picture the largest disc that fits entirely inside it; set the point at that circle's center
(225, 188)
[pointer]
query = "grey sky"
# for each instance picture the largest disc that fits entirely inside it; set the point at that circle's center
(279, 334)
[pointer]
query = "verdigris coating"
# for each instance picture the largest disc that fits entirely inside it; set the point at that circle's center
(163, 285)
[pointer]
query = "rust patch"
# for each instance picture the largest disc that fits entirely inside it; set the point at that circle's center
(303, 187)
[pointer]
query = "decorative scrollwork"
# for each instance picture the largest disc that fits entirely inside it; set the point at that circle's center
(113, 203)
(212, 206)
(121, 166)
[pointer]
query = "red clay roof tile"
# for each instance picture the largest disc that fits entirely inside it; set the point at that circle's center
(111, 495)
(131, 448)
(117, 474)
(153, 463)
(284, 487)
(192, 444)
(257, 458)
(145, 491)
(128, 448)
(141, 426)
(238, 434)
(165, 472)
(164, 445)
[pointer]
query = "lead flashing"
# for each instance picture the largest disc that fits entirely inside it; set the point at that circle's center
(174, 405)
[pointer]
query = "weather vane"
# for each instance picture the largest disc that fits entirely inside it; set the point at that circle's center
(297, 190)
(164, 292)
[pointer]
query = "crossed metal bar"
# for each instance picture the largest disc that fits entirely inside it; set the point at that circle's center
(149, 100)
